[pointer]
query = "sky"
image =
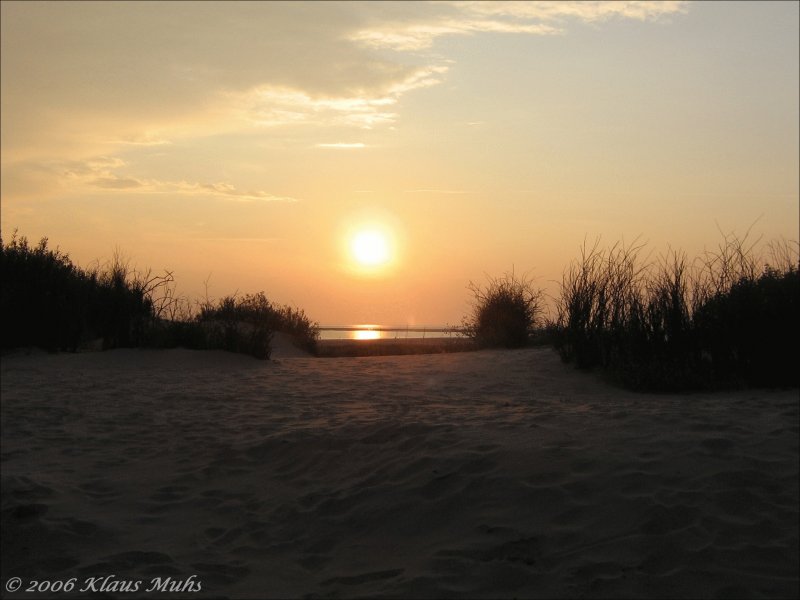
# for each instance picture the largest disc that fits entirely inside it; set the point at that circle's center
(247, 146)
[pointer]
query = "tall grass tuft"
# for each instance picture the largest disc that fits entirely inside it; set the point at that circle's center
(296, 323)
(49, 302)
(504, 313)
(728, 318)
(239, 325)
(244, 324)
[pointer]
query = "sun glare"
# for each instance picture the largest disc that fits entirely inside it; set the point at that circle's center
(370, 248)
(366, 334)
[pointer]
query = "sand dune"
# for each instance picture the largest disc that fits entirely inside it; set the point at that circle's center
(483, 474)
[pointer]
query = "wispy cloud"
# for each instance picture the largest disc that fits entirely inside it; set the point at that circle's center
(435, 191)
(100, 172)
(97, 165)
(270, 67)
(342, 145)
(422, 35)
(117, 183)
(266, 240)
(584, 10)
(222, 189)
(533, 18)
(269, 105)
(141, 141)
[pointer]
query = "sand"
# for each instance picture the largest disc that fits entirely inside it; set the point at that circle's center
(392, 346)
(479, 474)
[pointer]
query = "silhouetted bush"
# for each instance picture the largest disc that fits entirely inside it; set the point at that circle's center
(239, 325)
(750, 333)
(295, 322)
(47, 301)
(504, 313)
(670, 325)
(251, 320)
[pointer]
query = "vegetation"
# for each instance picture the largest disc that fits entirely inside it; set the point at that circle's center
(49, 302)
(504, 313)
(728, 318)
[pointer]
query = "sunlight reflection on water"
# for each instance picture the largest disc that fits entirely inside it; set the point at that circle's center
(377, 332)
(365, 334)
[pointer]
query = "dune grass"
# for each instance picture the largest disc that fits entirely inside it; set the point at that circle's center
(727, 318)
(730, 317)
(505, 312)
(49, 302)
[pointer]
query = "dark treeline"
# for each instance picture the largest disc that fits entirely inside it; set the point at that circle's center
(49, 302)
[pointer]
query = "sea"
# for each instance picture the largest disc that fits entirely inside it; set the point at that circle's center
(377, 332)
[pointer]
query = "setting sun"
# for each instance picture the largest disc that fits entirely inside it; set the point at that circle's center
(370, 248)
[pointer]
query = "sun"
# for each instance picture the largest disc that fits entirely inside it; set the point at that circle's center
(370, 248)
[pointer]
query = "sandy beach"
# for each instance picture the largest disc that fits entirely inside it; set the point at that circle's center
(477, 474)
(386, 347)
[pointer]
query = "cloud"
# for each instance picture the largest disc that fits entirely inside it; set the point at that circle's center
(98, 166)
(79, 77)
(420, 36)
(270, 106)
(221, 189)
(271, 63)
(99, 173)
(533, 18)
(342, 145)
(434, 191)
(584, 10)
(117, 183)
(267, 240)
(146, 74)
(140, 140)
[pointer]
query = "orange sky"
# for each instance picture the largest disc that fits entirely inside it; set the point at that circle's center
(247, 144)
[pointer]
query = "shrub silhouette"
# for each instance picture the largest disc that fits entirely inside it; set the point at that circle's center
(239, 325)
(750, 332)
(47, 301)
(262, 318)
(504, 312)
